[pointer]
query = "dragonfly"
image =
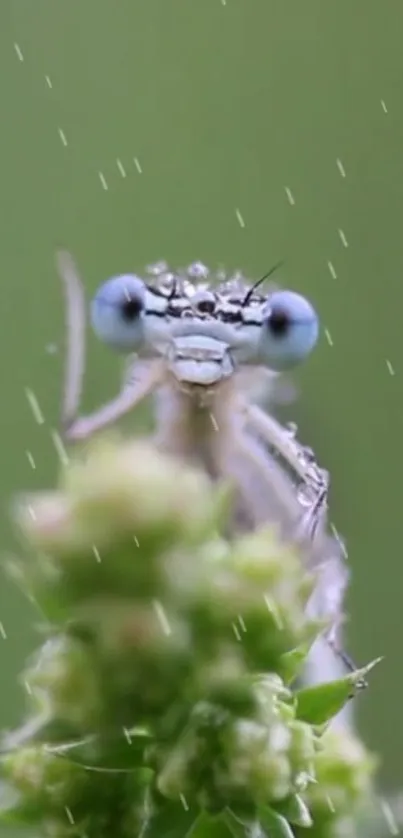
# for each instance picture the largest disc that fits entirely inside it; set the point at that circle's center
(206, 347)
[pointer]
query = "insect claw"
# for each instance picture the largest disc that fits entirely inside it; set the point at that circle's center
(67, 429)
(346, 660)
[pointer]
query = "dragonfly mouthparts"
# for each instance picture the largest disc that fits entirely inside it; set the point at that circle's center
(200, 359)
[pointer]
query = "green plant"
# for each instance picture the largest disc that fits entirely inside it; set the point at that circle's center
(162, 701)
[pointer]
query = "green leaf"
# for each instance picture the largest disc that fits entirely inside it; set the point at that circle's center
(275, 825)
(242, 824)
(211, 826)
(170, 820)
(317, 705)
(295, 810)
(118, 751)
(9, 800)
(15, 810)
(291, 663)
(42, 729)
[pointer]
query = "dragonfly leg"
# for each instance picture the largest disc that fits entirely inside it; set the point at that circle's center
(83, 427)
(75, 336)
(283, 443)
(134, 389)
(327, 657)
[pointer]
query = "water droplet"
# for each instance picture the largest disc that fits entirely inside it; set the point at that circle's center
(197, 271)
(157, 268)
(166, 277)
(305, 495)
(309, 454)
(221, 275)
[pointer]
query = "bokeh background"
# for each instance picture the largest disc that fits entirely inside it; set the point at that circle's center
(238, 132)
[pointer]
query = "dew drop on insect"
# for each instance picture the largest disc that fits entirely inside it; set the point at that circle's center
(292, 429)
(157, 268)
(221, 275)
(305, 495)
(197, 271)
(309, 454)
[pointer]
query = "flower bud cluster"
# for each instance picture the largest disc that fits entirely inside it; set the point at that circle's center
(165, 687)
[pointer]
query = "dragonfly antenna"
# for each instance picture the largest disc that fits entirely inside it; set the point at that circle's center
(259, 282)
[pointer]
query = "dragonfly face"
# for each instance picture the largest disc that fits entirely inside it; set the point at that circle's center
(204, 334)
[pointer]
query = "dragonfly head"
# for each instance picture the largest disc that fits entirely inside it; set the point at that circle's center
(204, 331)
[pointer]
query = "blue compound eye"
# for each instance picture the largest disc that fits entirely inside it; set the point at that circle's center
(289, 330)
(117, 312)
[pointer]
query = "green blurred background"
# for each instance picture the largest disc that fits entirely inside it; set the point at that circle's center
(225, 105)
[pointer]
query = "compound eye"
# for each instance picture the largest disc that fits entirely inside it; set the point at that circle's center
(289, 330)
(117, 312)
